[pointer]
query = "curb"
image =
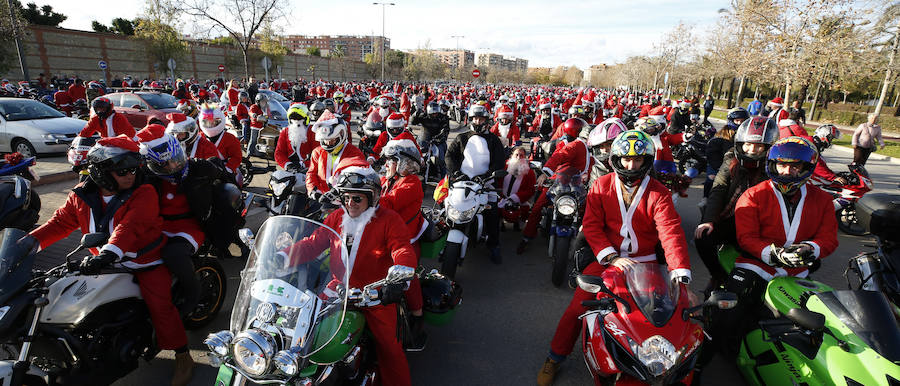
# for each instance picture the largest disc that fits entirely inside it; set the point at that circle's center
(55, 177)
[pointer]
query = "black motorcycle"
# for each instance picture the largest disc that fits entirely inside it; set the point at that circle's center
(562, 219)
(690, 155)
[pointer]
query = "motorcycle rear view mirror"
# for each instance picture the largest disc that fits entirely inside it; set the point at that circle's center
(724, 300)
(246, 236)
(807, 319)
(93, 240)
(499, 174)
(592, 284)
(399, 273)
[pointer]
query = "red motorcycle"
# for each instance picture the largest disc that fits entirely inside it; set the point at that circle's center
(643, 328)
(846, 196)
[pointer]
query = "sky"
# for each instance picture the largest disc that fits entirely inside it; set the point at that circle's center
(547, 33)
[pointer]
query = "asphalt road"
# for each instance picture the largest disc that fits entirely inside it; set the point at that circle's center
(501, 334)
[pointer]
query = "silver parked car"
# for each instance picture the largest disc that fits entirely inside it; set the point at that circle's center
(31, 127)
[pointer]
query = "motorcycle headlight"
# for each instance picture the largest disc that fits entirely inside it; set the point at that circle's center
(253, 351)
(286, 362)
(566, 205)
(277, 187)
(460, 216)
(218, 342)
(657, 354)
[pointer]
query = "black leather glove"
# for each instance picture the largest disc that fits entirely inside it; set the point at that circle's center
(91, 265)
(391, 293)
(328, 198)
(315, 196)
(456, 176)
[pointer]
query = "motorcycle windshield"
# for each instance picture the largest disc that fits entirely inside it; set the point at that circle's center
(17, 251)
(868, 314)
(294, 284)
(653, 293)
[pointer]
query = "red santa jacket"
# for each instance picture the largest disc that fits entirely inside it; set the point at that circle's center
(344, 110)
(233, 97)
(135, 226)
(385, 137)
(778, 115)
(202, 148)
(242, 112)
(377, 246)
(404, 195)
(114, 125)
(634, 232)
(322, 165)
(762, 219)
(574, 154)
(512, 134)
(77, 92)
(664, 142)
(555, 120)
(285, 151)
(789, 127)
(258, 116)
(62, 99)
(518, 189)
(176, 214)
(229, 148)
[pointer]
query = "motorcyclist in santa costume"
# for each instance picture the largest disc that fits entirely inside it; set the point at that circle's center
(401, 191)
(374, 243)
(786, 212)
(623, 237)
(212, 124)
(436, 127)
(333, 150)
(517, 188)
(186, 130)
(135, 236)
(505, 128)
(662, 141)
(545, 122)
(395, 128)
(296, 141)
(574, 154)
(340, 107)
(473, 153)
(259, 116)
(105, 121)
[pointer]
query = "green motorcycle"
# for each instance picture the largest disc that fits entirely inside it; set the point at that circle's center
(822, 336)
(295, 320)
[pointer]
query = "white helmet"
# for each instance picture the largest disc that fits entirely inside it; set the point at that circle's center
(212, 120)
(331, 133)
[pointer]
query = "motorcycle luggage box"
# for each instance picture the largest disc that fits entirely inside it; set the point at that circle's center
(879, 213)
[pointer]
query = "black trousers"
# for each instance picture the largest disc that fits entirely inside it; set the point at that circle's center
(708, 247)
(177, 255)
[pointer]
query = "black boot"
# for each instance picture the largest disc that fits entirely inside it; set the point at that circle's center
(417, 330)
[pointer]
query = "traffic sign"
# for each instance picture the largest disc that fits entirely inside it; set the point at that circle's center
(102, 65)
(266, 62)
(476, 73)
(171, 64)
(221, 68)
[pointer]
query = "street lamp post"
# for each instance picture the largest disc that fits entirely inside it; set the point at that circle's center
(459, 65)
(383, 6)
(19, 49)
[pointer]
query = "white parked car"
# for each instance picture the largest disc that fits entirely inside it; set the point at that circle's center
(31, 127)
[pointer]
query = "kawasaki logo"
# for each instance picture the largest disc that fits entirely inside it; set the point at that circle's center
(791, 298)
(790, 365)
(275, 290)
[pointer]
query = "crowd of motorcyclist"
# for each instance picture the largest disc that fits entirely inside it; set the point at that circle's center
(156, 183)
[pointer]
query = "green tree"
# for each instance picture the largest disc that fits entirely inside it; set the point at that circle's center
(162, 40)
(43, 16)
(8, 32)
(313, 51)
(99, 27)
(122, 26)
(223, 41)
(271, 46)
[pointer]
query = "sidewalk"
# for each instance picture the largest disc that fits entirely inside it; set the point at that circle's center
(53, 169)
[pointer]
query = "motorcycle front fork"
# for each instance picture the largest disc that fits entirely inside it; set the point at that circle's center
(21, 366)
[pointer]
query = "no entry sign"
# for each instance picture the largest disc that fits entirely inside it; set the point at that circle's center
(476, 73)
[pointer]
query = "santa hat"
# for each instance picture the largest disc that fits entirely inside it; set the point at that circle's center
(178, 121)
(504, 112)
(395, 120)
(327, 118)
(777, 101)
(121, 142)
(152, 136)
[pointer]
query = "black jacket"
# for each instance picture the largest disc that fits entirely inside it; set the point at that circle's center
(728, 187)
(454, 155)
(715, 152)
(435, 127)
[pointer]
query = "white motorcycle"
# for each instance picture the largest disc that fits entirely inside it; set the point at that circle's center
(465, 202)
(60, 327)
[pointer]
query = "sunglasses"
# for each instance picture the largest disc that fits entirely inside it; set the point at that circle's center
(355, 199)
(125, 172)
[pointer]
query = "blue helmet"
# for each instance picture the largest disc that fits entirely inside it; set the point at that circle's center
(163, 154)
(791, 149)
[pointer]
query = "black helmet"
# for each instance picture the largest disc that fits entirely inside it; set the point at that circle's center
(242, 95)
(433, 108)
(478, 111)
(104, 160)
(755, 130)
(315, 110)
(360, 180)
(102, 107)
(440, 297)
(194, 89)
(329, 105)
(737, 113)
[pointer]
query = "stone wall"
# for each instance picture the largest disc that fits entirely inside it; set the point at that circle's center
(67, 53)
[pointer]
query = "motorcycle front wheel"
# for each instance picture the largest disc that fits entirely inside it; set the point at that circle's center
(452, 252)
(213, 288)
(847, 221)
(560, 260)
